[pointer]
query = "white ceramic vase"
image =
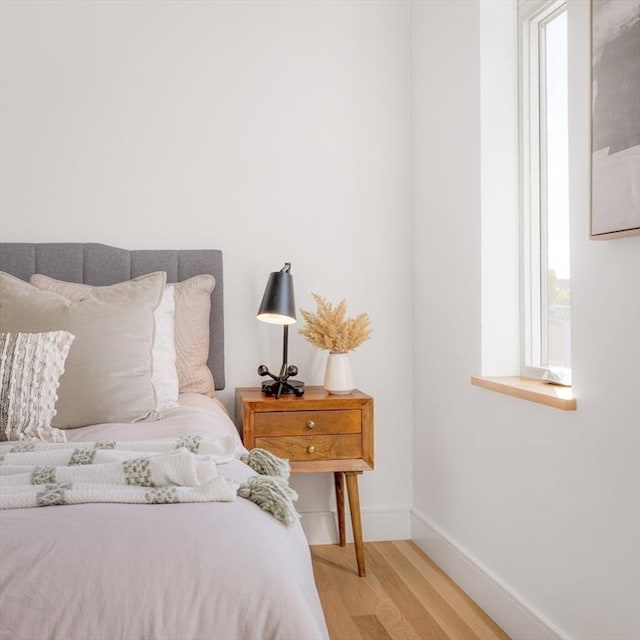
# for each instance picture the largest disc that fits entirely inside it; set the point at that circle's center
(338, 377)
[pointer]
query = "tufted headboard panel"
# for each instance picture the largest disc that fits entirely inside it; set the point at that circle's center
(99, 264)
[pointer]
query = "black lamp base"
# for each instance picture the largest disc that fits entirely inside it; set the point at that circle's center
(278, 388)
(281, 383)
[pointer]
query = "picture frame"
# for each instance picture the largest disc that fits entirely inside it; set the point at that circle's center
(615, 118)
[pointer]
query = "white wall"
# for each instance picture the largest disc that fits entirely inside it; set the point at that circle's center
(271, 130)
(534, 510)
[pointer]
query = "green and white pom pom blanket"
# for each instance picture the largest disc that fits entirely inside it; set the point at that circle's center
(39, 474)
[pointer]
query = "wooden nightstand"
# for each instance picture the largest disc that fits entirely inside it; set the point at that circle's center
(316, 432)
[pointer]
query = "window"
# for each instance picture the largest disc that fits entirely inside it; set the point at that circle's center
(544, 191)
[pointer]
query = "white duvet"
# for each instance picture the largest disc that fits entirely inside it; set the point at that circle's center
(180, 571)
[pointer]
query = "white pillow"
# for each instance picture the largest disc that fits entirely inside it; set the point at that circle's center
(164, 375)
(190, 330)
(108, 370)
(30, 366)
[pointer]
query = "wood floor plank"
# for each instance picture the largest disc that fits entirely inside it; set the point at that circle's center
(324, 571)
(360, 599)
(393, 620)
(336, 565)
(449, 620)
(413, 610)
(342, 562)
(339, 621)
(474, 616)
(370, 627)
(405, 596)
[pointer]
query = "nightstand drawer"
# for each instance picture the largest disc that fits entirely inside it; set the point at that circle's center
(307, 423)
(307, 448)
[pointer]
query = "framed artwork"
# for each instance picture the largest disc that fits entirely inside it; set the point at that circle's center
(615, 118)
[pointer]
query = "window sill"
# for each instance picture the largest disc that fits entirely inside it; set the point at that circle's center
(528, 389)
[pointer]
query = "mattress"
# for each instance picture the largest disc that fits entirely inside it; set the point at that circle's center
(179, 571)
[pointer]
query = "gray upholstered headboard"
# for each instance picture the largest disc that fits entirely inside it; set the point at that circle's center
(99, 264)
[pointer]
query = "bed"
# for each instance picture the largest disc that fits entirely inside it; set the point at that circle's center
(175, 571)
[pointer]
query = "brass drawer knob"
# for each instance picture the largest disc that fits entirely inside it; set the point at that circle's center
(311, 449)
(311, 424)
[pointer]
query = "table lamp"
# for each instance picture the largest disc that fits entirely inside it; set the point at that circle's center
(278, 307)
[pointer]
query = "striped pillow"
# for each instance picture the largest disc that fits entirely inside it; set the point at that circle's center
(30, 366)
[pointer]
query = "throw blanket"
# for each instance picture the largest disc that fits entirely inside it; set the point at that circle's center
(38, 474)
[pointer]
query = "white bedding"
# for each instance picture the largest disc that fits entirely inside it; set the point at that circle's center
(181, 571)
(197, 415)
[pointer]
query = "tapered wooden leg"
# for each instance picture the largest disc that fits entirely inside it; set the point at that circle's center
(356, 523)
(338, 478)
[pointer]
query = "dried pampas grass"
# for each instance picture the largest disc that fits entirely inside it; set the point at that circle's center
(328, 329)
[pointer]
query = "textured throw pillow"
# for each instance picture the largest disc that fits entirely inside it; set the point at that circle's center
(30, 366)
(108, 372)
(191, 331)
(164, 376)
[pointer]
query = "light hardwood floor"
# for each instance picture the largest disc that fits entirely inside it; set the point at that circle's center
(404, 596)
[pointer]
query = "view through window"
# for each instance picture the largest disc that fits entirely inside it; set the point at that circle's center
(556, 321)
(544, 156)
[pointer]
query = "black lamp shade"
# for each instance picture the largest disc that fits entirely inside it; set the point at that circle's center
(278, 305)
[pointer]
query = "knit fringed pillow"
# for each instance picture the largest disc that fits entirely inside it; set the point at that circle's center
(30, 366)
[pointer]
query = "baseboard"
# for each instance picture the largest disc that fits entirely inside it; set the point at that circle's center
(393, 523)
(519, 620)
